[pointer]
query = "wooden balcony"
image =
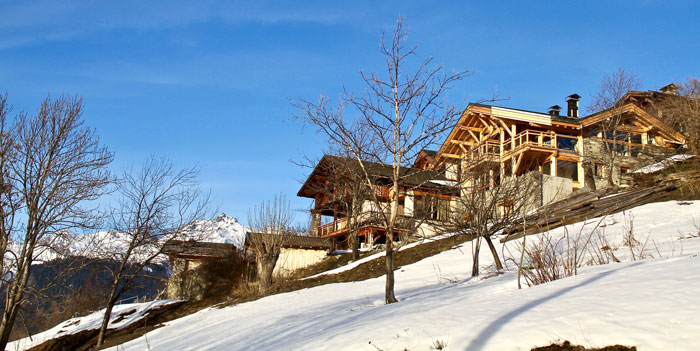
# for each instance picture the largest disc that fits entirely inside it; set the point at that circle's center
(368, 221)
(488, 151)
(528, 140)
(546, 141)
(333, 228)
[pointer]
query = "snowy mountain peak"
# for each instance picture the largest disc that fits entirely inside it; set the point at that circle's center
(223, 229)
(226, 218)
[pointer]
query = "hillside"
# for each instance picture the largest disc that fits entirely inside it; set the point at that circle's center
(84, 290)
(648, 302)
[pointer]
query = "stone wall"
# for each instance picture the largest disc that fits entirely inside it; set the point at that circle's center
(595, 152)
(197, 280)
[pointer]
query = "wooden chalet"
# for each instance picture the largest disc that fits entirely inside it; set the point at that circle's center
(490, 143)
(511, 142)
(424, 193)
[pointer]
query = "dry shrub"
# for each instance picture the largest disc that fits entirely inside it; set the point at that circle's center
(550, 258)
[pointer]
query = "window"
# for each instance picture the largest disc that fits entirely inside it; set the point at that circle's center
(566, 169)
(430, 207)
(566, 143)
(599, 170)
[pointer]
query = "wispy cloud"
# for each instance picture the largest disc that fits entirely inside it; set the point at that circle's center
(30, 22)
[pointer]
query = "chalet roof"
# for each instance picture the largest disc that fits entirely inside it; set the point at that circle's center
(478, 112)
(292, 241)
(197, 249)
(409, 176)
(431, 153)
(640, 114)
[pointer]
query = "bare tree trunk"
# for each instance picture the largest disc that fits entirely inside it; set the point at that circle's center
(14, 301)
(389, 291)
(266, 265)
(353, 227)
(494, 252)
(611, 167)
(108, 314)
(475, 258)
(520, 265)
(355, 245)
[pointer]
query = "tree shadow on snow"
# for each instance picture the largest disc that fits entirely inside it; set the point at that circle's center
(492, 328)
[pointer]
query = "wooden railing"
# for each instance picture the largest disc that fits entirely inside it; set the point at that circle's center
(491, 150)
(488, 150)
(369, 218)
(332, 227)
(530, 138)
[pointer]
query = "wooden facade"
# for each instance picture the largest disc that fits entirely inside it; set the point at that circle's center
(513, 142)
(497, 142)
(332, 191)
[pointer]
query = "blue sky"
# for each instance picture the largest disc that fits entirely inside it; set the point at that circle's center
(210, 83)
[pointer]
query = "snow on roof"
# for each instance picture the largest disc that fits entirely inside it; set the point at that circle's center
(444, 182)
(663, 164)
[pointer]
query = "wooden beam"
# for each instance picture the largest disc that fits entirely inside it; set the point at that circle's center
(452, 156)
(505, 126)
(488, 126)
(474, 129)
(463, 142)
(517, 165)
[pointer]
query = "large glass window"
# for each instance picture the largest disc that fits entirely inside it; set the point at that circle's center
(430, 207)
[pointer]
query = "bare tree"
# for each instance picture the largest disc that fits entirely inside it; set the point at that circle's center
(613, 88)
(156, 203)
(404, 110)
(488, 205)
(271, 227)
(52, 168)
(9, 199)
(682, 111)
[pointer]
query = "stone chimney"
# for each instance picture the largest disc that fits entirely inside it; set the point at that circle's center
(572, 102)
(670, 89)
(554, 110)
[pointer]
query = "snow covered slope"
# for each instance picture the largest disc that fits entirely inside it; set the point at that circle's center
(649, 303)
(121, 317)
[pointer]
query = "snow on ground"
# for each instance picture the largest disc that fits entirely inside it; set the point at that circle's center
(649, 303)
(122, 316)
(663, 164)
(382, 253)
